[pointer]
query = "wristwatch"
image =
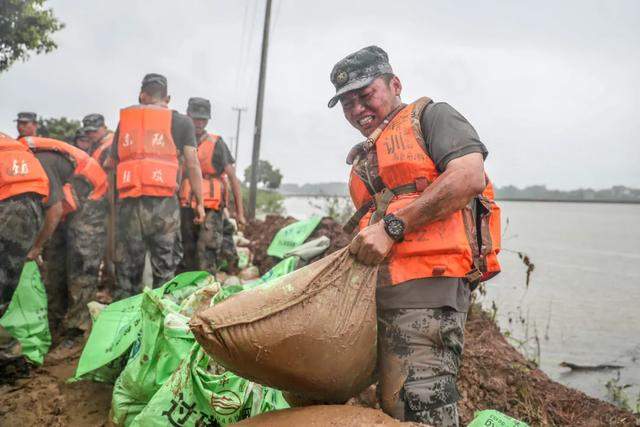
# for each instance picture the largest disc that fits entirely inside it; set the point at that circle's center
(394, 227)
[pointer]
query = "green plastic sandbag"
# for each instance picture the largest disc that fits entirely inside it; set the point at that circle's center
(165, 340)
(200, 393)
(292, 236)
(26, 317)
(493, 418)
(118, 326)
(282, 268)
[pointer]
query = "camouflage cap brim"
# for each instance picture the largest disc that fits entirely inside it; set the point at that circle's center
(354, 85)
(199, 115)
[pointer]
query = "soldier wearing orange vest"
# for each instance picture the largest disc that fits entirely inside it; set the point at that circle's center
(73, 253)
(23, 186)
(149, 142)
(99, 137)
(426, 216)
(202, 245)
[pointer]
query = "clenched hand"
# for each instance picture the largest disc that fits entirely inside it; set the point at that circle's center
(372, 244)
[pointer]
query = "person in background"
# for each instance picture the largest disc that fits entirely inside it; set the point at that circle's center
(203, 244)
(425, 214)
(81, 141)
(73, 236)
(99, 136)
(23, 186)
(148, 144)
(27, 124)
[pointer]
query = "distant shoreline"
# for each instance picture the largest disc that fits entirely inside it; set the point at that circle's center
(502, 199)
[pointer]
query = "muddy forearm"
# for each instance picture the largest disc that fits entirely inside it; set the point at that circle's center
(449, 193)
(51, 220)
(195, 179)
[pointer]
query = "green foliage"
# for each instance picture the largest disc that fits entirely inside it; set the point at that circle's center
(267, 202)
(25, 26)
(618, 395)
(58, 128)
(268, 176)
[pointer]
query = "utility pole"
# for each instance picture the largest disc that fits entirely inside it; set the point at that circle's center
(255, 157)
(240, 110)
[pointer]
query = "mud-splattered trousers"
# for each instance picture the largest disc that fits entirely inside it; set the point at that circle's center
(20, 221)
(201, 244)
(419, 354)
(228, 252)
(145, 224)
(72, 258)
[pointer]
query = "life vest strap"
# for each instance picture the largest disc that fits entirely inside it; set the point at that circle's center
(381, 201)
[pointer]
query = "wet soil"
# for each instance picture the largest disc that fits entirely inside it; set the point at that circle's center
(261, 233)
(493, 374)
(45, 399)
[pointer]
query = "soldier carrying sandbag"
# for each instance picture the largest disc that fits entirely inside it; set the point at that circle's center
(425, 214)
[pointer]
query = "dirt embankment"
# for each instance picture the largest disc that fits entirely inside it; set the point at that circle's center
(493, 374)
(261, 233)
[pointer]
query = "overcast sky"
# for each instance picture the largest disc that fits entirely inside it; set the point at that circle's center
(551, 87)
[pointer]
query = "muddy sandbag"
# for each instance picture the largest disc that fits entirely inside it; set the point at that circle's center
(311, 332)
(324, 415)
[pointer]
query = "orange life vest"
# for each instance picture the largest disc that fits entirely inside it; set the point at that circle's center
(105, 144)
(148, 159)
(452, 247)
(212, 184)
(20, 171)
(84, 166)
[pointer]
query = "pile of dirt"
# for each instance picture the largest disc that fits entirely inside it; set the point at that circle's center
(261, 233)
(494, 375)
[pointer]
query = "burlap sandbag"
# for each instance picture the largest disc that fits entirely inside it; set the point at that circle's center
(311, 332)
(324, 415)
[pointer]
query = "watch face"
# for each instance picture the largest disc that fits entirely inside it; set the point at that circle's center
(395, 227)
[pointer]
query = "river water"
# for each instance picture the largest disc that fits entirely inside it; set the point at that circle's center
(582, 304)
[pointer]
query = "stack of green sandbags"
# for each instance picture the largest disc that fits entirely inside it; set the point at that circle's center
(160, 386)
(118, 326)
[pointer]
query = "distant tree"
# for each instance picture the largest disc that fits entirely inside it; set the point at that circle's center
(58, 128)
(268, 176)
(25, 26)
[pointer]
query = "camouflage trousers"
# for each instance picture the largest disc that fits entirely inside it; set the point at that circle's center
(145, 224)
(419, 353)
(201, 244)
(72, 264)
(21, 219)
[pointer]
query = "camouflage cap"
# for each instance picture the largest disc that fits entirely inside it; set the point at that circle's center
(199, 108)
(27, 116)
(154, 78)
(92, 122)
(358, 70)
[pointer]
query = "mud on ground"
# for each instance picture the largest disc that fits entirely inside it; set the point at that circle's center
(45, 399)
(493, 374)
